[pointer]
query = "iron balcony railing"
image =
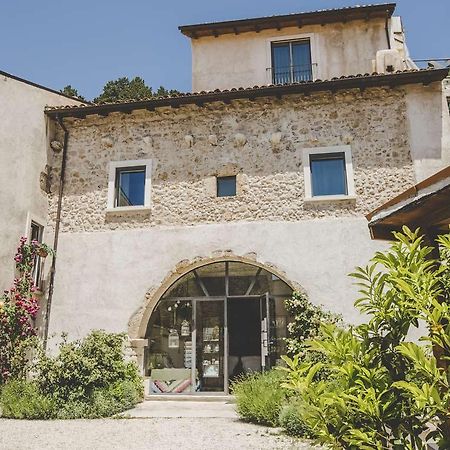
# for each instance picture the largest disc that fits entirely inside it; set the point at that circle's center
(290, 74)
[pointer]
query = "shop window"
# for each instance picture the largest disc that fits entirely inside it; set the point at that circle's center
(129, 185)
(328, 173)
(226, 186)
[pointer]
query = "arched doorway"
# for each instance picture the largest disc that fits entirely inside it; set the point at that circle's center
(214, 323)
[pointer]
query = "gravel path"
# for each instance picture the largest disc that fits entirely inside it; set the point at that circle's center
(141, 434)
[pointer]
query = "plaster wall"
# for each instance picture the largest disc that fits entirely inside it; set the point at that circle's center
(24, 134)
(103, 277)
(243, 60)
(428, 124)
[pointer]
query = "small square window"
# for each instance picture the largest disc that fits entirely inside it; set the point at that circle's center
(130, 186)
(328, 175)
(226, 186)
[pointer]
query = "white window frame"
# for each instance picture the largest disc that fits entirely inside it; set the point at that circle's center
(347, 151)
(289, 38)
(113, 166)
(38, 281)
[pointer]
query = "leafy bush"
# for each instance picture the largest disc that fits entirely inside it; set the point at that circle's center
(83, 367)
(260, 397)
(20, 399)
(382, 391)
(306, 322)
(103, 402)
(291, 420)
(86, 379)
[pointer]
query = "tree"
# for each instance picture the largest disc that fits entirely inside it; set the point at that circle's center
(382, 391)
(71, 92)
(123, 89)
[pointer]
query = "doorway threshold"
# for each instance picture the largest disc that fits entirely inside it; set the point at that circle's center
(227, 398)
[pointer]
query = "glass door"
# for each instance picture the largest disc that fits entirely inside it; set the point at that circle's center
(210, 345)
(268, 332)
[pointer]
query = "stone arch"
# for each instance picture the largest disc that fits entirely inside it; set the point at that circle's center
(137, 325)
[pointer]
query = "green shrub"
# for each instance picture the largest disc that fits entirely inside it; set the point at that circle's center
(260, 397)
(20, 399)
(86, 379)
(82, 368)
(305, 325)
(290, 419)
(383, 392)
(104, 402)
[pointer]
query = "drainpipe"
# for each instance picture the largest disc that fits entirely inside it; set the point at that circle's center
(57, 226)
(388, 37)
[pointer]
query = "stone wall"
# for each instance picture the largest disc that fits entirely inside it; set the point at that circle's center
(191, 145)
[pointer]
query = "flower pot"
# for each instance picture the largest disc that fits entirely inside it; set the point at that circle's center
(42, 252)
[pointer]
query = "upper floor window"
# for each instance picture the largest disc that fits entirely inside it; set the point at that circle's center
(291, 61)
(129, 184)
(328, 173)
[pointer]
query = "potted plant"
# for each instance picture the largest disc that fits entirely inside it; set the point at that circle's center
(44, 250)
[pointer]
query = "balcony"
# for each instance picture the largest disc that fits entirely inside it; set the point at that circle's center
(290, 74)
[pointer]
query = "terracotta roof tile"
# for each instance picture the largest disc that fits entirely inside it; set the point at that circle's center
(425, 76)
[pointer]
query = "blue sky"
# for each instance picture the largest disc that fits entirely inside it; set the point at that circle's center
(88, 42)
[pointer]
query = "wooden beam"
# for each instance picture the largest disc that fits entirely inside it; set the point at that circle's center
(201, 284)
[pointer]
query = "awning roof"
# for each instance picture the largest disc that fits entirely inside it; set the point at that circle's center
(425, 205)
(362, 12)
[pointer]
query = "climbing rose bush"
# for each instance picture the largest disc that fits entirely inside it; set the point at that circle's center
(18, 309)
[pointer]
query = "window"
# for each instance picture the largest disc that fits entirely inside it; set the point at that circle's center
(36, 234)
(328, 173)
(129, 185)
(226, 186)
(291, 61)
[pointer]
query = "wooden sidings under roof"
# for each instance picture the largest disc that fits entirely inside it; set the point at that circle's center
(321, 17)
(425, 205)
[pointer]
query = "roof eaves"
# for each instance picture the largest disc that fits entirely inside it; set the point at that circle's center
(295, 19)
(433, 183)
(424, 76)
(39, 86)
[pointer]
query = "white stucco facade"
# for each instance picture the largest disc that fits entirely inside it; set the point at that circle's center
(103, 277)
(337, 49)
(24, 140)
(429, 129)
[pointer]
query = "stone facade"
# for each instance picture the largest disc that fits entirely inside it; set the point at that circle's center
(260, 141)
